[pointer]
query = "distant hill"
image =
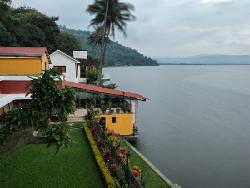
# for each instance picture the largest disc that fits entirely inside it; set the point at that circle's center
(116, 55)
(207, 59)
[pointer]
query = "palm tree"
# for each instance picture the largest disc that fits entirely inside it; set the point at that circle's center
(96, 37)
(109, 15)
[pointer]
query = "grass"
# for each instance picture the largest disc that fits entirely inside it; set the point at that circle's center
(150, 177)
(38, 166)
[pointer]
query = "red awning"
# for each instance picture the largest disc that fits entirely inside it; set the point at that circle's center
(98, 89)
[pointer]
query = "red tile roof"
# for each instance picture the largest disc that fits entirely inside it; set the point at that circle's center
(102, 90)
(27, 51)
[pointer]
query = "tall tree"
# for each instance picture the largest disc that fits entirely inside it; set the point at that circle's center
(6, 24)
(109, 15)
(25, 26)
(96, 37)
(67, 43)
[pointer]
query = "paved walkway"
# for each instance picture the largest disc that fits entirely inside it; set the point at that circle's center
(78, 116)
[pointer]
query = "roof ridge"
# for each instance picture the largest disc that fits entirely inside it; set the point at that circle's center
(9, 50)
(65, 55)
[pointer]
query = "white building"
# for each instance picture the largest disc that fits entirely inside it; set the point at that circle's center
(72, 69)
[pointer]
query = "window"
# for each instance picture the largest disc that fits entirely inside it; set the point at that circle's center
(113, 119)
(82, 71)
(60, 69)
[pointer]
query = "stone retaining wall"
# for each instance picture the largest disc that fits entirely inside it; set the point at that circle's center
(17, 140)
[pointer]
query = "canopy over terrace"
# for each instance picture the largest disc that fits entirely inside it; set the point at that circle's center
(98, 89)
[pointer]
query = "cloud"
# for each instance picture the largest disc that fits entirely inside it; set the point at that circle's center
(169, 27)
(215, 1)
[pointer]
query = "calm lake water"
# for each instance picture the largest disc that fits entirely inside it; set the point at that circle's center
(196, 126)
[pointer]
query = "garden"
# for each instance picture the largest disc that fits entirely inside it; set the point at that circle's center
(36, 165)
(112, 158)
(47, 164)
(120, 165)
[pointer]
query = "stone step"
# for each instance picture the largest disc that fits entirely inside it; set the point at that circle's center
(76, 119)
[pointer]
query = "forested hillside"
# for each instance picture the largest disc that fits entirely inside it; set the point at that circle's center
(116, 55)
(29, 27)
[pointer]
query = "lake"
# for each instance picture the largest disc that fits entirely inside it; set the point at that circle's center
(196, 126)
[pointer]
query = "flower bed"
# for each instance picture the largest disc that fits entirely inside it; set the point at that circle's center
(114, 156)
(101, 164)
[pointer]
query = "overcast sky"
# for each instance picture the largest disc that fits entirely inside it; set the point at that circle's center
(168, 27)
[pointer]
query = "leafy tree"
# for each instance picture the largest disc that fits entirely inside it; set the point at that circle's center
(109, 15)
(96, 37)
(50, 100)
(6, 23)
(30, 35)
(28, 27)
(46, 25)
(4, 10)
(47, 100)
(5, 35)
(67, 43)
(91, 75)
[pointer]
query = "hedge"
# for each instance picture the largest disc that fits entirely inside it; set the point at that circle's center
(100, 162)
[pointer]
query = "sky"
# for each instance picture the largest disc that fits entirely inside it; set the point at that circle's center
(168, 28)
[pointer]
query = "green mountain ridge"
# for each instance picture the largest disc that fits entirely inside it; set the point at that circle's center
(116, 54)
(207, 59)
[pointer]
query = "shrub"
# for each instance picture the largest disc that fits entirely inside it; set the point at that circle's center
(92, 76)
(57, 134)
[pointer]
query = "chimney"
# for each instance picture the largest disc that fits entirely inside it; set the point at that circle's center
(80, 54)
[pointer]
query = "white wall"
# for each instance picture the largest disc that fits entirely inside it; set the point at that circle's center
(59, 59)
(134, 109)
(80, 54)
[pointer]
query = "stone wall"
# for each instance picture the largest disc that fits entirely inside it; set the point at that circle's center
(17, 140)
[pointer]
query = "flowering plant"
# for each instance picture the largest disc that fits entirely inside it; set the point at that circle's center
(123, 153)
(114, 141)
(136, 171)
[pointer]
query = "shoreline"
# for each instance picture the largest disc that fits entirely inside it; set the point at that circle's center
(149, 163)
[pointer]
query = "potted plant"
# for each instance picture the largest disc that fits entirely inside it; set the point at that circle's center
(111, 111)
(104, 108)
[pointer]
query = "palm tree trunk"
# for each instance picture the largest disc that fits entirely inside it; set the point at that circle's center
(104, 46)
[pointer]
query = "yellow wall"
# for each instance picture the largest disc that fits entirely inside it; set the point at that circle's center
(20, 66)
(123, 125)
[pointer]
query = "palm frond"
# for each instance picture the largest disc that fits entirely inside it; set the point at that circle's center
(96, 37)
(118, 14)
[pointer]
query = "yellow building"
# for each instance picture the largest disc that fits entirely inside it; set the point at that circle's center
(21, 61)
(120, 117)
(16, 64)
(119, 124)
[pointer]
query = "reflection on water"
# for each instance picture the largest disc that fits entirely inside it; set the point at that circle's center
(196, 126)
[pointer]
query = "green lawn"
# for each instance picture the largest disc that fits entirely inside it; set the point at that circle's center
(38, 166)
(151, 178)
